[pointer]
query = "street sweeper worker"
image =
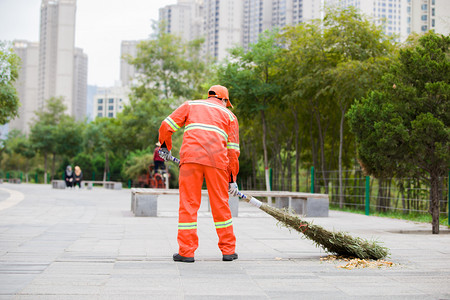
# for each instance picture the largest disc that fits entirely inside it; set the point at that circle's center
(209, 151)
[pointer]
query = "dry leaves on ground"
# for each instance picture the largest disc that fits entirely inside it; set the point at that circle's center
(351, 263)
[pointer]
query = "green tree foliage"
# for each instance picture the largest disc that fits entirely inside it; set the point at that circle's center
(169, 67)
(55, 133)
(171, 72)
(360, 53)
(101, 137)
(9, 72)
(403, 127)
(252, 80)
(137, 163)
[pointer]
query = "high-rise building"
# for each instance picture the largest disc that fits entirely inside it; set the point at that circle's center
(222, 26)
(424, 15)
(26, 84)
(127, 71)
(56, 52)
(80, 71)
(261, 15)
(110, 101)
(257, 19)
(183, 19)
(403, 17)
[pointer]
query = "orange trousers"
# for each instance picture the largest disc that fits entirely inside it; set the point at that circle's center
(191, 181)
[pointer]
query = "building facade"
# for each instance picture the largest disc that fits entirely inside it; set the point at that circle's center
(183, 19)
(56, 52)
(403, 17)
(27, 84)
(424, 15)
(80, 71)
(127, 71)
(108, 102)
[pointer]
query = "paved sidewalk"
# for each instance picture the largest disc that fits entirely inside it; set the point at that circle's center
(86, 244)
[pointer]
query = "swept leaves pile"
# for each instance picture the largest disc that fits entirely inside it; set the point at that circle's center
(357, 263)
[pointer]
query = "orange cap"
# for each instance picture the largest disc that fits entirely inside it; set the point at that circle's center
(220, 92)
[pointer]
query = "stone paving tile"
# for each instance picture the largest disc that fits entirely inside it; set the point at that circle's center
(80, 244)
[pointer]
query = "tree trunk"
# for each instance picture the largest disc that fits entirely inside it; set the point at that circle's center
(297, 150)
(341, 142)
(322, 152)
(266, 164)
(434, 201)
(106, 166)
(53, 166)
(45, 167)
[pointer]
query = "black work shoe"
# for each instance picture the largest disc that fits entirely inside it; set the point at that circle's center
(230, 257)
(178, 257)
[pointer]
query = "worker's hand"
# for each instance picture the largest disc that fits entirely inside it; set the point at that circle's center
(165, 153)
(233, 189)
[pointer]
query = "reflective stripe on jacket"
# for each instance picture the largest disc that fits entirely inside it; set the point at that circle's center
(211, 135)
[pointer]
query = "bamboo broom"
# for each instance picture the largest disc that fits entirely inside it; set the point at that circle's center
(339, 243)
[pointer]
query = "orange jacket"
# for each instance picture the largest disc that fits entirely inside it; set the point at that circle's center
(211, 135)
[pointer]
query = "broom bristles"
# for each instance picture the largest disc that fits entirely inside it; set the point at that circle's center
(339, 243)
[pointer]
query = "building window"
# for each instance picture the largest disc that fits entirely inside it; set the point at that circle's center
(110, 115)
(432, 12)
(100, 101)
(424, 17)
(424, 28)
(433, 24)
(99, 114)
(111, 107)
(111, 100)
(100, 107)
(424, 7)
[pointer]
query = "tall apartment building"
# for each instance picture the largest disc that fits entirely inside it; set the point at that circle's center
(227, 23)
(108, 102)
(27, 84)
(80, 71)
(222, 26)
(403, 17)
(257, 16)
(424, 15)
(53, 67)
(56, 52)
(183, 19)
(261, 15)
(127, 71)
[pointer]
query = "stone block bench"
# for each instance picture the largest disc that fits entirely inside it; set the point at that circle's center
(144, 202)
(61, 184)
(306, 204)
(14, 180)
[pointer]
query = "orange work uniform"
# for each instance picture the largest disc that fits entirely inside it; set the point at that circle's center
(210, 151)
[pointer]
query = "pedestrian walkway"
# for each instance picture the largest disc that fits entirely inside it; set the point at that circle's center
(86, 244)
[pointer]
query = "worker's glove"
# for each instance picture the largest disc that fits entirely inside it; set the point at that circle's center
(233, 189)
(165, 153)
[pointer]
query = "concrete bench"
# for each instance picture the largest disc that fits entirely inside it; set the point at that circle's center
(58, 184)
(306, 204)
(113, 185)
(61, 184)
(144, 202)
(14, 180)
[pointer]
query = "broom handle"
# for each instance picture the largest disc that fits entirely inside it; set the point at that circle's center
(249, 199)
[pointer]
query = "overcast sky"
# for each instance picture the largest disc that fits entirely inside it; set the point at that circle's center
(101, 25)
